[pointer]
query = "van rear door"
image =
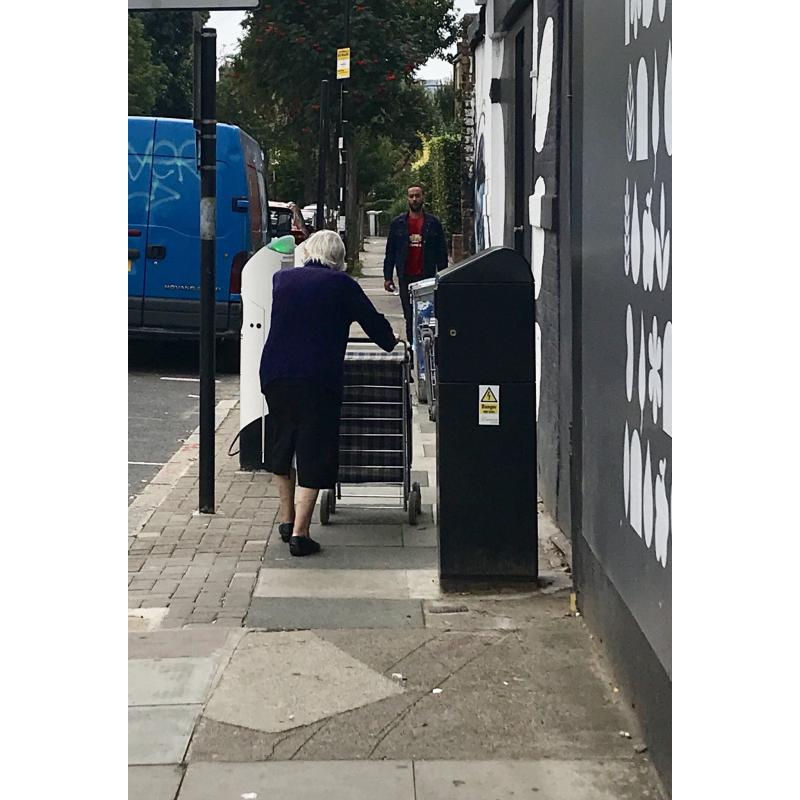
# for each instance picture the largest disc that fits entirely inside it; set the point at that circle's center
(172, 265)
(140, 170)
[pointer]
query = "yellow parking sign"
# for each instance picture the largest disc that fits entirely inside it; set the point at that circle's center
(343, 63)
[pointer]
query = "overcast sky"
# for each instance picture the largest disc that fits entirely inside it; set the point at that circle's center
(228, 25)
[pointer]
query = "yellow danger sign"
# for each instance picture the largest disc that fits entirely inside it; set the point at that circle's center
(488, 404)
(488, 396)
(342, 63)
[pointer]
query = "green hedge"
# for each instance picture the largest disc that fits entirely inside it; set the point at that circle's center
(441, 175)
(438, 171)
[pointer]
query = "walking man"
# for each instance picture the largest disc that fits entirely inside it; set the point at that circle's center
(416, 248)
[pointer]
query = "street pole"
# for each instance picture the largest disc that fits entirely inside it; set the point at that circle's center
(208, 278)
(343, 132)
(323, 153)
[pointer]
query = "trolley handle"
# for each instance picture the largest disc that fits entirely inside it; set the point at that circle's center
(367, 340)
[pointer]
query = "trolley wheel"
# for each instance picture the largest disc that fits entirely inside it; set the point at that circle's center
(422, 391)
(325, 507)
(414, 503)
(332, 500)
(418, 494)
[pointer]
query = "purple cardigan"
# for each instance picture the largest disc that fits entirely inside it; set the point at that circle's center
(312, 309)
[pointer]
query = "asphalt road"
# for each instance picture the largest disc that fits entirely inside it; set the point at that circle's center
(163, 403)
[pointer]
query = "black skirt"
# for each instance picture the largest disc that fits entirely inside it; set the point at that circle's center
(303, 425)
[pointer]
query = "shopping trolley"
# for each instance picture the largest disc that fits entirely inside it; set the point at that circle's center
(375, 430)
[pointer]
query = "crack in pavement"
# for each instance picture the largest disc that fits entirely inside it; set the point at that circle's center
(314, 733)
(390, 726)
(346, 711)
(413, 650)
(278, 741)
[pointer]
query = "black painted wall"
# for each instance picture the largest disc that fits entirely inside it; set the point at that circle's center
(553, 301)
(600, 174)
(622, 190)
(627, 305)
(599, 169)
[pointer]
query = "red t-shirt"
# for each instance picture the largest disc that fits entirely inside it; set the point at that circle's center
(414, 266)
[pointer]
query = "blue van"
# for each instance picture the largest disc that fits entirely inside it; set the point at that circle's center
(164, 225)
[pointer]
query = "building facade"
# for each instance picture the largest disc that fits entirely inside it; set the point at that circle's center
(572, 167)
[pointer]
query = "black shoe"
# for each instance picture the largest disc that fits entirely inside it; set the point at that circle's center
(303, 546)
(285, 529)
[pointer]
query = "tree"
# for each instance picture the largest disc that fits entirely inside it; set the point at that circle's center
(171, 35)
(444, 100)
(290, 46)
(145, 79)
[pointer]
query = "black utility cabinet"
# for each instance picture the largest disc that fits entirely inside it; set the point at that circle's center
(486, 420)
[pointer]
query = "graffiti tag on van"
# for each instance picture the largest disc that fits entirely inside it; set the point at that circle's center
(170, 159)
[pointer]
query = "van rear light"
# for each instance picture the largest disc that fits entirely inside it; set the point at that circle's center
(134, 232)
(239, 260)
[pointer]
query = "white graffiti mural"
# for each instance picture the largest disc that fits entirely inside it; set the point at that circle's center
(489, 144)
(173, 167)
(647, 248)
(543, 60)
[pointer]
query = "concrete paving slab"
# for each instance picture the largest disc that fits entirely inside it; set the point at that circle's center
(355, 515)
(420, 476)
(542, 780)
(146, 619)
(305, 613)
(160, 734)
(154, 783)
(352, 557)
(529, 694)
(169, 681)
(326, 583)
(537, 692)
(279, 681)
(218, 741)
(494, 614)
(179, 643)
(420, 535)
(381, 649)
(290, 780)
(423, 584)
(345, 534)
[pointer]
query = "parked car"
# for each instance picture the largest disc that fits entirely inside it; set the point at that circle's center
(285, 219)
(164, 226)
(309, 213)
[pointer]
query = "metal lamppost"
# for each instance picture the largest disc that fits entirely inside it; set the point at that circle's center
(343, 74)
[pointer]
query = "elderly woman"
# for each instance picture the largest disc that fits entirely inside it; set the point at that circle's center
(301, 377)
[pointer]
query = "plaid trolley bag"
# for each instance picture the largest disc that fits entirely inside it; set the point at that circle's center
(375, 429)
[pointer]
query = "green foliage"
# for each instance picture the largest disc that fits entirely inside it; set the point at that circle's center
(271, 87)
(439, 173)
(170, 34)
(145, 78)
(290, 46)
(444, 102)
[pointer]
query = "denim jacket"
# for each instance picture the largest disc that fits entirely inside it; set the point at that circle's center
(434, 247)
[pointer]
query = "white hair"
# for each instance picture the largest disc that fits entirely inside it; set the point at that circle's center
(325, 246)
